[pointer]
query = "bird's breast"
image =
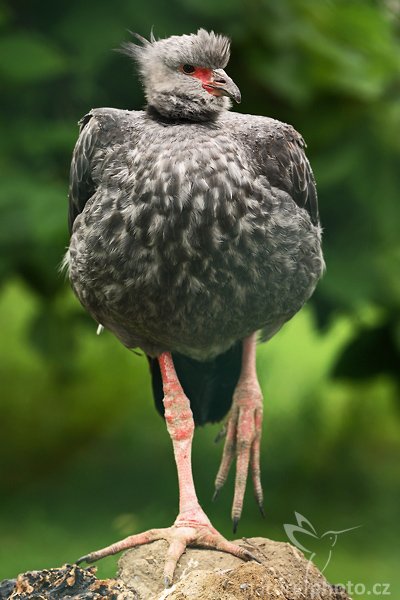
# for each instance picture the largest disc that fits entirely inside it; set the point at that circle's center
(183, 228)
(182, 199)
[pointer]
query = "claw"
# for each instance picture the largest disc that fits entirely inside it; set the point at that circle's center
(215, 494)
(221, 434)
(252, 557)
(235, 522)
(82, 559)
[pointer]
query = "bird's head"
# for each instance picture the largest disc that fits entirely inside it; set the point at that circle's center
(332, 536)
(184, 76)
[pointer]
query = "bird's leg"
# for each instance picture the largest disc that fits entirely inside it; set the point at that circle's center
(192, 526)
(243, 433)
(180, 425)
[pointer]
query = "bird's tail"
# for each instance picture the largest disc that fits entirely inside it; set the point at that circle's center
(208, 385)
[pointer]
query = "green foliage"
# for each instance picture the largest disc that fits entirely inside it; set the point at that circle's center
(42, 61)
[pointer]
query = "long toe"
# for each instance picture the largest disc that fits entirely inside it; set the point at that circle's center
(243, 437)
(129, 542)
(228, 452)
(255, 463)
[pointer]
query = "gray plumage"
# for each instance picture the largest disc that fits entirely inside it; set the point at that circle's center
(191, 227)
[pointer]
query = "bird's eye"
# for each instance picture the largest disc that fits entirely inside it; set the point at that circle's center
(188, 69)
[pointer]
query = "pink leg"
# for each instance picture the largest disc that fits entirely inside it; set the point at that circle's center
(192, 526)
(243, 433)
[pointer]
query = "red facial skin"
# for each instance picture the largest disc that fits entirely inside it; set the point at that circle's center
(206, 77)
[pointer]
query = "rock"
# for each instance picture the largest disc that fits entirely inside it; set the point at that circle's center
(282, 574)
(69, 582)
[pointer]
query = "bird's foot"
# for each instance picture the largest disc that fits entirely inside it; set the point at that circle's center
(242, 438)
(191, 528)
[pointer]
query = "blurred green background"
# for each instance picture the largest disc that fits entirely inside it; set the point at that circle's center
(84, 457)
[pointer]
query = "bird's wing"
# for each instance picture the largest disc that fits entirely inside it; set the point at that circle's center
(304, 188)
(286, 167)
(81, 185)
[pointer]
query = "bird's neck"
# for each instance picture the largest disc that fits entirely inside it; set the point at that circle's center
(177, 117)
(181, 108)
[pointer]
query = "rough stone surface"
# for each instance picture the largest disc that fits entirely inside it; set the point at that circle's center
(282, 574)
(69, 582)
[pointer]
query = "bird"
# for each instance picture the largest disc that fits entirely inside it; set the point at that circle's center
(311, 542)
(195, 233)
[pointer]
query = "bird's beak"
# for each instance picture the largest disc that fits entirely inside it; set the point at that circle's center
(349, 529)
(221, 84)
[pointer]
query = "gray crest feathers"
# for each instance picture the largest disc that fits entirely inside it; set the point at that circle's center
(204, 48)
